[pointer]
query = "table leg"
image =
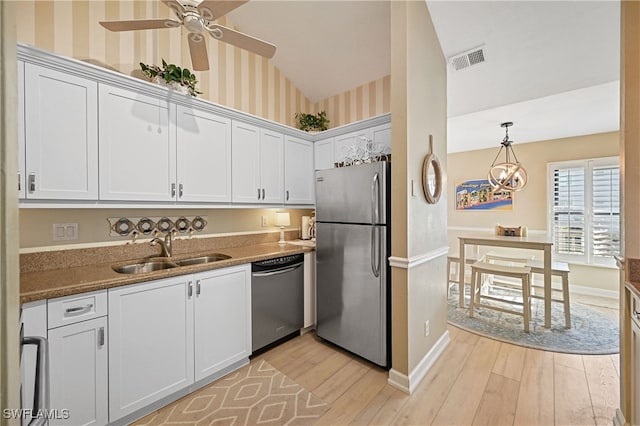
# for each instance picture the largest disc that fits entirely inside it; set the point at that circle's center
(547, 287)
(461, 269)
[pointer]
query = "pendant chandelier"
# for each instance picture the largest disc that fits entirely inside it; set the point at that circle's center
(508, 175)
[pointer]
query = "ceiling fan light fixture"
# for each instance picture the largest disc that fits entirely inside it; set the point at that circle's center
(508, 175)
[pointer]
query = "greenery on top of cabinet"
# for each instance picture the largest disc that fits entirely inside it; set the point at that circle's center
(172, 74)
(309, 122)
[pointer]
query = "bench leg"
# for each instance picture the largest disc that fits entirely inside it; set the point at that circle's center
(565, 298)
(526, 302)
(474, 275)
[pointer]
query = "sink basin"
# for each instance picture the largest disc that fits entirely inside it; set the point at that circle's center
(139, 268)
(215, 257)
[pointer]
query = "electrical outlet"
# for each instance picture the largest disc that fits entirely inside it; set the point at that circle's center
(265, 221)
(65, 231)
(426, 328)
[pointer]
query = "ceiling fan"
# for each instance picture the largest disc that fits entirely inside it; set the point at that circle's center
(198, 17)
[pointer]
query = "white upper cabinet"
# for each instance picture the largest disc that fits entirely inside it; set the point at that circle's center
(21, 148)
(298, 171)
(203, 156)
(382, 135)
(61, 135)
(323, 154)
(137, 147)
(257, 170)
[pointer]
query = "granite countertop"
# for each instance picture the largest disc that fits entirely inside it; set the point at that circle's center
(53, 283)
(634, 286)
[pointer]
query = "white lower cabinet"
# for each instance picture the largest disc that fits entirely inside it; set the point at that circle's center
(164, 335)
(150, 343)
(222, 325)
(310, 289)
(635, 360)
(78, 366)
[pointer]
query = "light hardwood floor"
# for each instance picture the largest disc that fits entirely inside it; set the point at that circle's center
(476, 381)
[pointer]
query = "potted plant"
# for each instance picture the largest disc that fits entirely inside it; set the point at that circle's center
(172, 76)
(311, 122)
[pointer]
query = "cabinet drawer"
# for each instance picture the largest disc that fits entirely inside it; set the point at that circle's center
(635, 309)
(76, 308)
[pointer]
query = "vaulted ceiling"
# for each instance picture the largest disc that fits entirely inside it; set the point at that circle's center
(552, 67)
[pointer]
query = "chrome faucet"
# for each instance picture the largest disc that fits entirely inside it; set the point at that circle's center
(166, 244)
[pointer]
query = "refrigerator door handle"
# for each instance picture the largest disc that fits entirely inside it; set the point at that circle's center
(375, 190)
(375, 259)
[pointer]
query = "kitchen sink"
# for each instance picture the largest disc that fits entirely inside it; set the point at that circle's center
(215, 257)
(159, 265)
(139, 268)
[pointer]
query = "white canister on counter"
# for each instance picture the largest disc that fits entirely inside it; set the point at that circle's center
(305, 228)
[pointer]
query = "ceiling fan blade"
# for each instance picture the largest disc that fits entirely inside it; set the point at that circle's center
(214, 9)
(242, 40)
(142, 24)
(198, 49)
(175, 6)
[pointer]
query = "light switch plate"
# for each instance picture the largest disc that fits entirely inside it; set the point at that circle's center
(65, 231)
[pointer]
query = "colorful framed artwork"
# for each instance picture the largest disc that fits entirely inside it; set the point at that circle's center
(472, 195)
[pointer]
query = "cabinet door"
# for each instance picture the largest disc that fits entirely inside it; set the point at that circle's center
(204, 156)
(222, 318)
(298, 171)
(309, 289)
(137, 147)
(21, 142)
(382, 135)
(323, 154)
(635, 373)
(78, 372)
(61, 134)
(33, 316)
(245, 158)
(271, 166)
(344, 145)
(150, 343)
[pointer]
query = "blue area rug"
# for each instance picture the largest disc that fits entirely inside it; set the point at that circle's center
(591, 332)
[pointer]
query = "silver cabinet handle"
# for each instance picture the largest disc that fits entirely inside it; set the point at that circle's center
(180, 190)
(263, 193)
(78, 310)
(636, 314)
(173, 190)
(41, 394)
(258, 193)
(190, 290)
(101, 337)
(197, 287)
(32, 183)
(19, 181)
(287, 199)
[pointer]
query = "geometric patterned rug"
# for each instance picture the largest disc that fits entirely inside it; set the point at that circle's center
(256, 394)
(591, 332)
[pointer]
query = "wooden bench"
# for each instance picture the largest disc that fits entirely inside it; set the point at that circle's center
(522, 273)
(455, 259)
(560, 269)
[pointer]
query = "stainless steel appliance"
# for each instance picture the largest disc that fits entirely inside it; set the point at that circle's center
(277, 299)
(352, 248)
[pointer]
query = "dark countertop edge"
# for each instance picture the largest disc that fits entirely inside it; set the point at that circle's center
(113, 279)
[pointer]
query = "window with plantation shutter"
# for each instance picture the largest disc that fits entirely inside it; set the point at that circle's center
(584, 209)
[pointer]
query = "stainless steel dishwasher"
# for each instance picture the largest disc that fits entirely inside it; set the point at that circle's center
(277, 299)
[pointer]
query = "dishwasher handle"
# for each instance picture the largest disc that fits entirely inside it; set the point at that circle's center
(277, 271)
(41, 391)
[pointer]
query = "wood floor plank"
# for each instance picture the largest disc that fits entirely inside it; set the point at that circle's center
(467, 391)
(510, 361)
(568, 360)
(535, 398)
(498, 404)
(572, 403)
(382, 409)
(336, 385)
(604, 387)
(347, 407)
(431, 393)
(316, 375)
(615, 358)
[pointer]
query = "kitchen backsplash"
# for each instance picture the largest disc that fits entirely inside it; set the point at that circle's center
(37, 225)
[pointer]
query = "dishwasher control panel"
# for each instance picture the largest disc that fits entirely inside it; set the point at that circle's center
(278, 262)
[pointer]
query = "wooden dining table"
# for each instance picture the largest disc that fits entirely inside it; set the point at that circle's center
(531, 242)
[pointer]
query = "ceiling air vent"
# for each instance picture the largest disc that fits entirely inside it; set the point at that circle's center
(469, 58)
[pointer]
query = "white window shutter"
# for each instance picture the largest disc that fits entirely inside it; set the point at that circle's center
(569, 210)
(605, 221)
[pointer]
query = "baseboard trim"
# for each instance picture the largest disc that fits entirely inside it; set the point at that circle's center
(412, 262)
(618, 419)
(408, 384)
(591, 291)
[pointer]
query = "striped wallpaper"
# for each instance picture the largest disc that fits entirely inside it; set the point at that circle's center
(237, 78)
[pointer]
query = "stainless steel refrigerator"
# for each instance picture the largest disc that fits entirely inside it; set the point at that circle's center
(352, 250)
